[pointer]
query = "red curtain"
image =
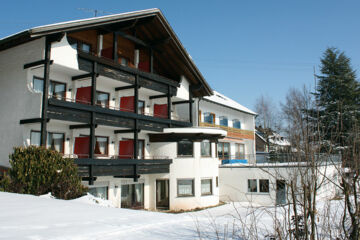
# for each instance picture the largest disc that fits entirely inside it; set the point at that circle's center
(160, 110)
(144, 66)
(126, 149)
(107, 53)
(82, 147)
(127, 104)
(83, 95)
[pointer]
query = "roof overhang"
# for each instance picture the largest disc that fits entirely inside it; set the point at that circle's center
(191, 72)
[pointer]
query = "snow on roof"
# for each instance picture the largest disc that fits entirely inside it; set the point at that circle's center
(228, 102)
(278, 140)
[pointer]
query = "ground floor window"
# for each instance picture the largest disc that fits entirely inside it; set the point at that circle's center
(206, 186)
(252, 185)
(264, 185)
(132, 196)
(185, 187)
(100, 192)
(185, 148)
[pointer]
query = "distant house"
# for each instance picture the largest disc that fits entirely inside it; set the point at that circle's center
(267, 140)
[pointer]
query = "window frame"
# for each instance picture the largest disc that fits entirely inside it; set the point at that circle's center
(51, 82)
(184, 156)
(221, 118)
(210, 143)
(268, 185)
(211, 187)
(210, 114)
(217, 150)
(192, 187)
(236, 120)
(47, 138)
(107, 146)
(108, 100)
(256, 186)
(79, 44)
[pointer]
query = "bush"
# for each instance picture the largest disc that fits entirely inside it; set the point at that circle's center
(36, 170)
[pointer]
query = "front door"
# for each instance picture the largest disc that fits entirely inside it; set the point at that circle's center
(162, 194)
(280, 192)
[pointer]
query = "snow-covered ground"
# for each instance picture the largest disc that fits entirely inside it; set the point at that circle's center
(31, 217)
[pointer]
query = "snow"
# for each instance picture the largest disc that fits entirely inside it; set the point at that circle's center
(224, 100)
(32, 217)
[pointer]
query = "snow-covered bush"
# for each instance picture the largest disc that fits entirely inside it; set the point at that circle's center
(36, 170)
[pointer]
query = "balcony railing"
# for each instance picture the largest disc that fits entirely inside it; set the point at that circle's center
(232, 132)
(174, 116)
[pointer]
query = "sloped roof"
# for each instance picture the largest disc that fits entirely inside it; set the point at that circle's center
(160, 26)
(223, 100)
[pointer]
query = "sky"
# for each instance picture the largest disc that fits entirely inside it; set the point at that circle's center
(243, 48)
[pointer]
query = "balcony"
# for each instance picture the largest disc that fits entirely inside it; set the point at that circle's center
(232, 132)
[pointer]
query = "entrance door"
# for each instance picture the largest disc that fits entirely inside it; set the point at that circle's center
(280, 192)
(162, 194)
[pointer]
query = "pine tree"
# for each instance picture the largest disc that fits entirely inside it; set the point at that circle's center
(337, 96)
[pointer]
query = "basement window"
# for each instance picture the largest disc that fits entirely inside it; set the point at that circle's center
(252, 185)
(264, 185)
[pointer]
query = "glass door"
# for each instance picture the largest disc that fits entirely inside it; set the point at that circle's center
(162, 194)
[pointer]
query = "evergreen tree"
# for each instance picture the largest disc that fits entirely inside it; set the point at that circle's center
(337, 96)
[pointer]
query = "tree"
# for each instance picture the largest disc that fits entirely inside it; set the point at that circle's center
(268, 116)
(338, 95)
(36, 170)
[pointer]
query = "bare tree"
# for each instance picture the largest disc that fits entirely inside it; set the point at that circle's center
(268, 114)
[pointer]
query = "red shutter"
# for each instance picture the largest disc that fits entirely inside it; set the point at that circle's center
(82, 147)
(126, 149)
(144, 66)
(107, 53)
(160, 110)
(127, 104)
(83, 95)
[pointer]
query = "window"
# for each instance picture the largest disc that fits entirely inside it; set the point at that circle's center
(100, 192)
(35, 138)
(236, 124)
(55, 141)
(141, 107)
(141, 148)
(206, 187)
(252, 185)
(206, 148)
(240, 151)
(185, 187)
(209, 118)
(264, 185)
(56, 89)
(223, 150)
(185, 148)
(101, 146)
(102, 99)
(79, 45)
(223, 121)
(217, 181)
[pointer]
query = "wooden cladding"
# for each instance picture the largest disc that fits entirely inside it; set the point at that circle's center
(232, 132)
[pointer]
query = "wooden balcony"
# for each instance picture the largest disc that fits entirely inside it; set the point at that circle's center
(232, 132)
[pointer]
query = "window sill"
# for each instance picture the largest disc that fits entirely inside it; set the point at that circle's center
(206, 195)
(190, 196)
(258, 193)
(185, 156)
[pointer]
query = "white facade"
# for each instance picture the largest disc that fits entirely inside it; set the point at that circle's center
(24, 102)
(245, 135)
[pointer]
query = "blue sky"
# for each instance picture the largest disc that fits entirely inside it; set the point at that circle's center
(243, 48)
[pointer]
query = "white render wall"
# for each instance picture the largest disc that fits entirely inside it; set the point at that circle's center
(233, 182)
(247, 123)
(195, 167)
(18, 102)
